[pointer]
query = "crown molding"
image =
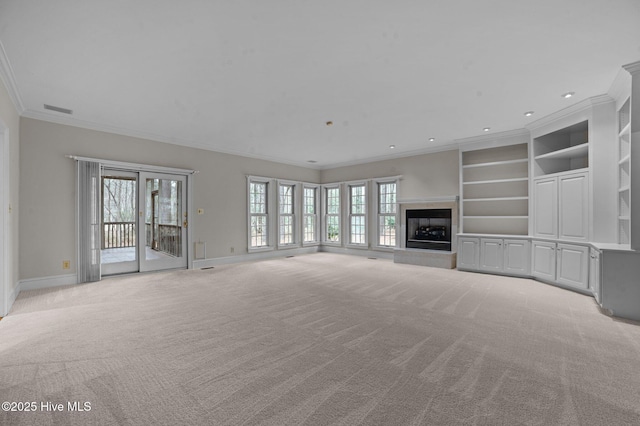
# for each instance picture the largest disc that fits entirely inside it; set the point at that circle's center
(491, 140)
(633, 67)
(577, 108)
(451, 146)
(89, 125)
(8, 78)
(621, 87)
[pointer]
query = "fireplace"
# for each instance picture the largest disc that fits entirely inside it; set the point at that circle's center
(428, 229)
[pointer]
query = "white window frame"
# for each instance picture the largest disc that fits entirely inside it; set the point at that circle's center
(348, 240)
(315, 215)
(268, 214)
(295, 206)
(339, 215)
(379, 215)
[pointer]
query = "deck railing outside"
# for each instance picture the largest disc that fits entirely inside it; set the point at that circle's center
(118, 235)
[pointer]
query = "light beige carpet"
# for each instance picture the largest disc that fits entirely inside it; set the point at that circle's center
(319, 339)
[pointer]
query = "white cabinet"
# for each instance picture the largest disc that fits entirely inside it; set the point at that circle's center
(468, 253)
(497, 255)
(491, 257)
(565, 264)
(573, 266)
(543, 263)
(594, 274)
(561, 206)
(516, 257)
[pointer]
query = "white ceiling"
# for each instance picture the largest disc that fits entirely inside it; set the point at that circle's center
(261, 78)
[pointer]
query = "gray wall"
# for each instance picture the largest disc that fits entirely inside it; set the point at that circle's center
(423, 176)
(11, 120)
(47, 190)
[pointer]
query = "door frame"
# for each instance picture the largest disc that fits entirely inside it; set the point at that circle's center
(120, 267)
(139, 168)
(147, 265)
(5, 217)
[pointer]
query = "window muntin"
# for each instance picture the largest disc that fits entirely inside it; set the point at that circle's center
(357, 212)
(387, 215)
(258, 222)
(332, 216)
(286, 216)
(310, 216)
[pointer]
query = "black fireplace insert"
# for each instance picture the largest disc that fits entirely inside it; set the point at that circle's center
(429, 229)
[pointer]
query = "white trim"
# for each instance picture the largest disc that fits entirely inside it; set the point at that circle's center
(134, 166)
(295, 203)
(254, 256)
(452, 198)
(141, 134)
(317, 214)
(367, 207)
(633, 67)
(494, 140)
(584, 106)
(47, 282)
(8, 77)
(270, 183)
(6, 282)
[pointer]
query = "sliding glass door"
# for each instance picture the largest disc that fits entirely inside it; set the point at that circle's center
(144, 222)
(119, 230)
(163, 221)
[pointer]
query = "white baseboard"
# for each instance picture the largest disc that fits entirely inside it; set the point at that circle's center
(47, 282)
(252, 257)
(11, 298)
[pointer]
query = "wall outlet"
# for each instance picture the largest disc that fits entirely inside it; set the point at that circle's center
(200, 211)
(66, 264)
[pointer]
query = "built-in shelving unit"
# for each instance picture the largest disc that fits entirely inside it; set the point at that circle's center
(495, 190)
(561, 151)
(624, 173)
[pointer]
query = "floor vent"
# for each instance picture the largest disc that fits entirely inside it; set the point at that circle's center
(290, 256)
(373, 258)
(208, 267)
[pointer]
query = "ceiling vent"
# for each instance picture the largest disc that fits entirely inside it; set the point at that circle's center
(58, 109)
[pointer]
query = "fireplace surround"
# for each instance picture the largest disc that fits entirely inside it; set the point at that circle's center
(433, 250)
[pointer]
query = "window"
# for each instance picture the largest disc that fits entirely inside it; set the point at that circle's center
(387, 214)
(286, 216)
(310, 216)
(357, 212)
(332, 216)
(258, 215)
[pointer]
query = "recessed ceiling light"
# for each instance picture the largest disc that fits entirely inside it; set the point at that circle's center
(432, 139)
(486, 129)
(329, 123)
(568, 95)
(528, 113)
(392, 146)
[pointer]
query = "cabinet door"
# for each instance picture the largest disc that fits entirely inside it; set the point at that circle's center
(468, 253)
(543, 264)
(594, 274)
(545, 207)
(491, 254)
(516, 257)
(573, 209)
(573, 266)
